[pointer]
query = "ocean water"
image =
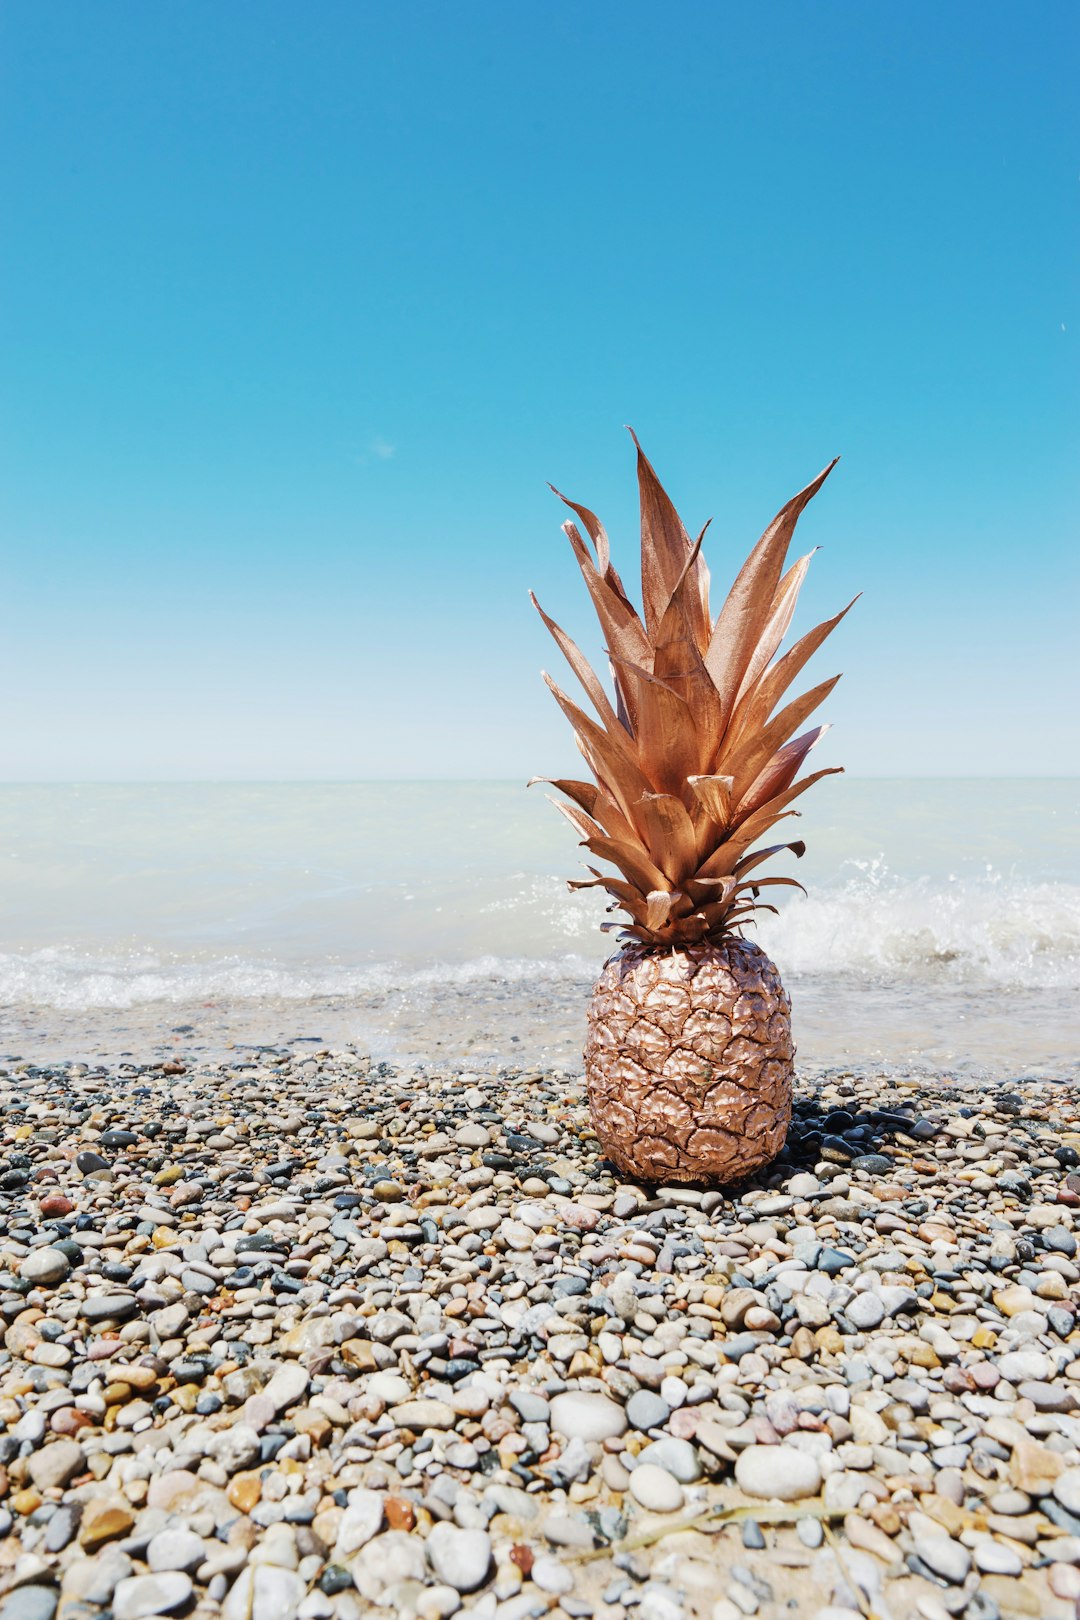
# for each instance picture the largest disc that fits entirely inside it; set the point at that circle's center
(941, 927)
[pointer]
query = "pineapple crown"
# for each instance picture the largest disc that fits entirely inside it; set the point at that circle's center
(690, 764)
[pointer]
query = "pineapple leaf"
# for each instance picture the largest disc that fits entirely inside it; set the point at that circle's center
(746, 611)
(691, 764)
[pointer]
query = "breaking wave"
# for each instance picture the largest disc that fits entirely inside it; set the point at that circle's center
(988, 932)
(69, 980)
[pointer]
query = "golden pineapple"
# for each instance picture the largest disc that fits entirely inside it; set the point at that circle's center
(689, 1054)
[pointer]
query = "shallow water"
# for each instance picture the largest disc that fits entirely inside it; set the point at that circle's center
(941, 929)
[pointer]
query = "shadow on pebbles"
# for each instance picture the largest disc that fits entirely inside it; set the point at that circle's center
(311, 1337)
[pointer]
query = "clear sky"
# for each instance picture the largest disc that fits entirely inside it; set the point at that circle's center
(301, 306)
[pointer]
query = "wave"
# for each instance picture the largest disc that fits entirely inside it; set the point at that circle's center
(990, 932)
(71, 981)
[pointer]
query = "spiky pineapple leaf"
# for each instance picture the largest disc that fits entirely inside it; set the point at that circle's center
(691, 764)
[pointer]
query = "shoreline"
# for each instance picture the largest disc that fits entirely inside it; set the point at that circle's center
(491, 1021)
(302, 1331)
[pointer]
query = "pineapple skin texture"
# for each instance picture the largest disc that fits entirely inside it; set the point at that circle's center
(689, 1061)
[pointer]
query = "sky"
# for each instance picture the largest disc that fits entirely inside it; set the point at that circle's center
(302, 307)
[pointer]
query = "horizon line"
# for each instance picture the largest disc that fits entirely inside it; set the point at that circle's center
(461, 781)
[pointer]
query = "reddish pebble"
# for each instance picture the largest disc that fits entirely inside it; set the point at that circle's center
(683, 1422)
(811, 1421)
(400, 1514)
(522, 1556)
(56, 1204)
(69, 1420)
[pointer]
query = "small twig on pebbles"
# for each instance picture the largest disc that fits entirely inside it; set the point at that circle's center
(716, 1517)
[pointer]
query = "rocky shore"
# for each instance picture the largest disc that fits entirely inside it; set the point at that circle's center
(303, 1336)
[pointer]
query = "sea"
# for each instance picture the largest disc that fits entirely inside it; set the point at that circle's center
(431, 921)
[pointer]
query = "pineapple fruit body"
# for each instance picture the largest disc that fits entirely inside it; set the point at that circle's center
(689, 1061)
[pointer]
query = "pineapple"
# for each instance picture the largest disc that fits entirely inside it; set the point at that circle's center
(689, 1056)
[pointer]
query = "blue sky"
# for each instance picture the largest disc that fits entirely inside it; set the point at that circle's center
(301, 306)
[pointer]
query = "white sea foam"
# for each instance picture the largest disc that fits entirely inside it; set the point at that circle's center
(65, 979)
(988, 932)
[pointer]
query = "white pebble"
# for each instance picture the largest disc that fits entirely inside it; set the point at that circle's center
(655, 1489)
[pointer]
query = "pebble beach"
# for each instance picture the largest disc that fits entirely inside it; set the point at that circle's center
(295, 1333)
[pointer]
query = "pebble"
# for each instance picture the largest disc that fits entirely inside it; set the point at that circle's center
(46, 1266)
(29, 1603)
(865, 1311)
(550, 1576)
(677, 1457)
(645, 1411)
(994, 1558)
(264, 1592)
(584, 1416)
(460, 1558)
(143, 1595)
(56, 1464)
(1066, 1490)
(944, 1556)
(654, 1488)
(176, 1549)
(325, 1334)
(778, 1472)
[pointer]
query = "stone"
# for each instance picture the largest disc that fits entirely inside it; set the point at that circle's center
(1033, 1468)
(288, 1385)
(61, 1528)
(778, 1472)
(550, 1576)
(175, 1549)
(264, 1592)
(361, 1520)
(389, 1387)
(994, 1558)
(425, 1413)
(580, 1414)
(1019, 1365)
(865, 1311)
(236, 1448)
(530, 1407)
(386, 1560)
(142, 1595)
(277, 1548)
(1064, 1582)
(676, 1457)
(460, 1558)
(943, 1555)
(114, 1307)
(645, 1410)
(654, 1488)
(29, 1603)
(1066, 1490)
(869, 1538)
(170, 1320)
(104, 1519)
(45, 1267)
(56, 1464)
(94, 1580)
